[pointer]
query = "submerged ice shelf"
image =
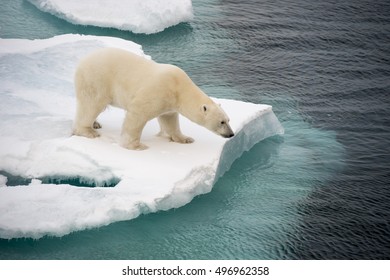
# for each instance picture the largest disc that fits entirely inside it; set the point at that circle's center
(37, 106)
(138, 16)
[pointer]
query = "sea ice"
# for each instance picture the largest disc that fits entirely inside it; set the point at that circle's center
(138, 16)
(37, 106)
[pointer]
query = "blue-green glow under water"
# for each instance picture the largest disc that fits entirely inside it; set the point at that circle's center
(320, 191)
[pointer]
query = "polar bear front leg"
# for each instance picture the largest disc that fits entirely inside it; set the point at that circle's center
(169, 124)
(131, 132)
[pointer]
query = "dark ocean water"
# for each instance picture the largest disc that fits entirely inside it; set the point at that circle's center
(333, 58)
(322, 191)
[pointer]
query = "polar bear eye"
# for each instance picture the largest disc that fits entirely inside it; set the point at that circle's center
(222, 122)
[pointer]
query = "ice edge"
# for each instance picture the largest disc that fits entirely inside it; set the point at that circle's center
(263, 125)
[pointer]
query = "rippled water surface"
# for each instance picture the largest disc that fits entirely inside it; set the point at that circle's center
(322, 191)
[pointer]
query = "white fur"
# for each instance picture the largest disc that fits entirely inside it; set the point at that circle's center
(146, 90)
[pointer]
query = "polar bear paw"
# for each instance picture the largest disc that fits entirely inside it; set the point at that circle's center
(96, 125)
(181, 139)
(86, 132)
(135, 145)
(139, 147)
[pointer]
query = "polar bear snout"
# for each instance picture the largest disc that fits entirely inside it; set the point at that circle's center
(225, 130)
(228, 134)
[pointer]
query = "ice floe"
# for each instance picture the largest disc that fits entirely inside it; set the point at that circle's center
(138, 16)
(40, 162)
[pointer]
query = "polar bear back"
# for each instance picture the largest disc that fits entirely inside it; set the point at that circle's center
(121, 76)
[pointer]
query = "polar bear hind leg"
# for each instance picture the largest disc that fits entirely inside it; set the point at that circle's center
(87, 111)
(169, 125)
(132, 130)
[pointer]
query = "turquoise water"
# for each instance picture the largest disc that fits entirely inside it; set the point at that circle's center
(308, 194)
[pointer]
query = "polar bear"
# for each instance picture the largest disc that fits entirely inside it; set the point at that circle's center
(146, 90)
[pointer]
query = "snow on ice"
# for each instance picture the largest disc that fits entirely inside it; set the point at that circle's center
(138, 16)
(39, 158)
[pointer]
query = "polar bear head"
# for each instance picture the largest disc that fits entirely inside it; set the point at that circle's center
(216, 120)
